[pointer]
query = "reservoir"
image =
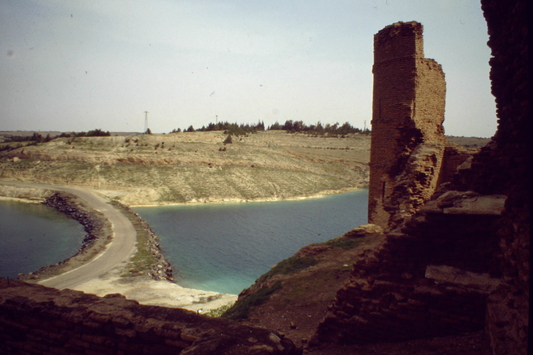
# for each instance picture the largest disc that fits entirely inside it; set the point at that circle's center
(213, 247)
(226, 247)
(33, 235)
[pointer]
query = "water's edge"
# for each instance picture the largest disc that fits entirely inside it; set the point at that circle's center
(161, 269)
(94, 224)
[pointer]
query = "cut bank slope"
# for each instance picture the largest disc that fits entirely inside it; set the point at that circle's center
(195, 166)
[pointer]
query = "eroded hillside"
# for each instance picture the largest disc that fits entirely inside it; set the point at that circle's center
(195, 166)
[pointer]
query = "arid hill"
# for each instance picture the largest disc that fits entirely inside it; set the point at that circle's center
(195, 166)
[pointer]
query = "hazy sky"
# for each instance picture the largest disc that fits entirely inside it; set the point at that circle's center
(73, 65)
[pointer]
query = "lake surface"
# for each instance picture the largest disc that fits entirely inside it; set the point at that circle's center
(33, 236)
(212, 247)
(226, 247)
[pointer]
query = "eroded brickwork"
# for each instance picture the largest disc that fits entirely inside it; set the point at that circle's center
(431, 279)
(462, 261)
(408, 111)
(39, 320)
(506, 167)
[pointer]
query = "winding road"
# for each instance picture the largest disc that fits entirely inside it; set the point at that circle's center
(118, 252)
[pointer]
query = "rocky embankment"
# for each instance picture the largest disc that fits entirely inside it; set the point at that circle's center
(161, 269)
(93, 223)
(98, 231)
(97, 227)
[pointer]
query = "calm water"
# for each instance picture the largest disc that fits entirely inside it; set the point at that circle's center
(214, 247)
(33, 236)
(226, 247)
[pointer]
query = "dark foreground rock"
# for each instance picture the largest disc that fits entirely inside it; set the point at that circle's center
(39, 320)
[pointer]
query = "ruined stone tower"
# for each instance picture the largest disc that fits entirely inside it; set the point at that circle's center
(407, 133)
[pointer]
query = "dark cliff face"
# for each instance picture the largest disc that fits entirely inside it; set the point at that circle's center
(507, 311)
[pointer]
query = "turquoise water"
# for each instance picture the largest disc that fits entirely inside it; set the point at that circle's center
(226, 247)
(33, 236)
(213, 247)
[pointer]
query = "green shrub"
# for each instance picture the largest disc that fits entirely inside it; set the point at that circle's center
(218, 312)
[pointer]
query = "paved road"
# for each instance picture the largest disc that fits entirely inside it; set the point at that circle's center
(118, 251)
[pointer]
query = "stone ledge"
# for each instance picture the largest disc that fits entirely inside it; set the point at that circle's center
(466, 203)
(471, 280)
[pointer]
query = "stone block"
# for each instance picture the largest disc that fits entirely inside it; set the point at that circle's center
(100, 318)
(417, 303)
(407, 316)
(450, 320)
(79, 343)
(128, 333)
(100, 350)
(121, 322)
(56, 350)
(166, 333)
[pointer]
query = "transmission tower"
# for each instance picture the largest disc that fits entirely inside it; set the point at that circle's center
(145, 121)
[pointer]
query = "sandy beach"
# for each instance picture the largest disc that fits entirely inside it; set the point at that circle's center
(156, 293)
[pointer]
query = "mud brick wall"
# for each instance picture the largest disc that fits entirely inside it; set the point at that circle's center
(393, 296)
(454, 157)
(38, 320)
(504, 167)
(408, 110)
(393, 292)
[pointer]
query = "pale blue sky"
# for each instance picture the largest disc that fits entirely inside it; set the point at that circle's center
(78, 65)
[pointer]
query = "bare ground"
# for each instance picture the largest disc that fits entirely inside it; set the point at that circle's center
(299, 301)
(195, 166)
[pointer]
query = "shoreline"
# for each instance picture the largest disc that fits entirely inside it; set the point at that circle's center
(193, 202)
(223, 201)
(21, 200)
(142, 288)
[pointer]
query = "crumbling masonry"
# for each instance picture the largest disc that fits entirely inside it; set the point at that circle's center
(407, 134)
(461, 262)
